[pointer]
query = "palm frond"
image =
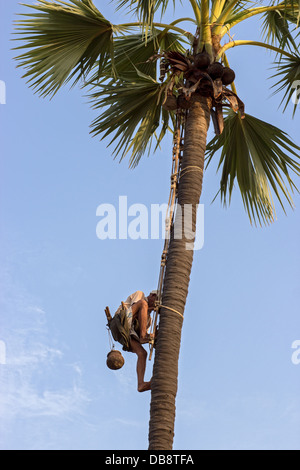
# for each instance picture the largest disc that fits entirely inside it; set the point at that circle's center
(278, 17)
(259, 156)
(293, 14)
(276, 29)
(229, 11)
(288, 72)
(132, 114)
(133, 51)
(145, 9)
(63, 42)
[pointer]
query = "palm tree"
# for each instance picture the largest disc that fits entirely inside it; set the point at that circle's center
(141, 76)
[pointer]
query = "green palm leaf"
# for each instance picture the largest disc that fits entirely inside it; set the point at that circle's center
(145, 9)
(64, 41)
(288, 70)
(133, 51)
(276, 29)
(133, 110)
(255, 154)
(294, 15)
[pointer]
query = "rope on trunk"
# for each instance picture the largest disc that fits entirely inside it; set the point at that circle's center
(172, 309)
(189, 168)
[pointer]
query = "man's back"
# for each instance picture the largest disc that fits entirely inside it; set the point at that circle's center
(132, 299)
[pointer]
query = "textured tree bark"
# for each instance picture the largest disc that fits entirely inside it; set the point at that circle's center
(176, 282)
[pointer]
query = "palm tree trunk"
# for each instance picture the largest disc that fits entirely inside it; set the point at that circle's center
(176, 282)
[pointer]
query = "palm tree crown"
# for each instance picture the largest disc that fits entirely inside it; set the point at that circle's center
(135, 71)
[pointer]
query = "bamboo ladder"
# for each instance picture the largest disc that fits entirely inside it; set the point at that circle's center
(178, 140)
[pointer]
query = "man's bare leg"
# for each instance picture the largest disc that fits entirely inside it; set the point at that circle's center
(140, 310)
(140, 365)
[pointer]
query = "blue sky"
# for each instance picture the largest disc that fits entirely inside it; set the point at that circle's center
(238, 387)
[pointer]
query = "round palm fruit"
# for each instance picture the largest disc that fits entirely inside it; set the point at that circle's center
(215, 70)
(115, 360)
(183, 103)
(170, 103)
(202, 60)
(228, 76)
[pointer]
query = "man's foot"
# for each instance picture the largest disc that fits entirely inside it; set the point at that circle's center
(144, 386)
(146, 339)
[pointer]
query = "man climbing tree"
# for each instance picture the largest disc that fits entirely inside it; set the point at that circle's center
(137, 310)
(141, 76)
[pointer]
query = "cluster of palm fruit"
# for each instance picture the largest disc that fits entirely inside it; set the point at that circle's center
(199, 75)
(215, 70)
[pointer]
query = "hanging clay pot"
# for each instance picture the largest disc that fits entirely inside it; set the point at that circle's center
(114, 360)
(170, 103)
(183, 103)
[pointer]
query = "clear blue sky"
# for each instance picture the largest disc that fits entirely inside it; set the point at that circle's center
(238, 387)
